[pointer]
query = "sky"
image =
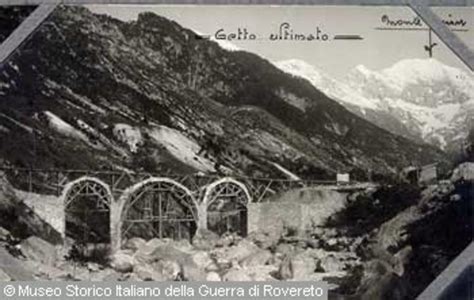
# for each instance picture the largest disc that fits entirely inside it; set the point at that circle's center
(377, 50)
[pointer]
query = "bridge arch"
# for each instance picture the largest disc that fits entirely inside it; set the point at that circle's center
(156, 207)
(87, 208)
(225, 205)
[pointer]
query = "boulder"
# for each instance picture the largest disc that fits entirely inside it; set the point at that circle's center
(213, 276)
(261, 273)
(132, 277)
(156, 250)
(331, 264)
(122, 262)
(464, 171)
(285, 271)
(184, 246)
(203, 260)
(192, 272)
(205, 239)
(106, 275)
(260, 258)
(39, 250)
(235, 274)
(135, 243)
(171, 270)
(302, 265)
(93, 267)
(244, 249)
(167, 254)
(297, 267)
(226, 240)
(146, 272)
(265, 240)
(285, 249)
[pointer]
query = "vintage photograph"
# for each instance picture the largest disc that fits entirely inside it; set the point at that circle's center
(235, 143)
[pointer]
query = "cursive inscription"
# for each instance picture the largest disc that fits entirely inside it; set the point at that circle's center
(284, 32)
(417, 22)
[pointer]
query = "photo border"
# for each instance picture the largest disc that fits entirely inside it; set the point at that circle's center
(464, 261)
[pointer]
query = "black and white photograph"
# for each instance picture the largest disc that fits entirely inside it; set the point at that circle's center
(224, 143)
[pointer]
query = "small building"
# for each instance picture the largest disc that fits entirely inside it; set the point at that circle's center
(342, 178)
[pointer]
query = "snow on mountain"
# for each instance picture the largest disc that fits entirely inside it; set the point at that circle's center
(434, 99)
(435, 102)
(325, 83)
(184, 98)
(414, 71)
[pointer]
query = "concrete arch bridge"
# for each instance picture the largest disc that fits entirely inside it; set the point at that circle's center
(112, 207)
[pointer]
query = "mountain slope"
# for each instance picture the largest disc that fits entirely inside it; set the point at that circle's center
(436, 100)
(89, 91)
(421, 99)
(368, 109)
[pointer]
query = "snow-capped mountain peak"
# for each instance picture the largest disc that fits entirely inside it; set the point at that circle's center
(328, 85)
(302, 69)
(411, 71)
(431, 100)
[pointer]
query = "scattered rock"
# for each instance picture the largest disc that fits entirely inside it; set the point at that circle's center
(285, 270)
(192, 272)
(148, 273)
(205, 240)
(227, 240)
(213, 276)
(236, 275)
(203, 260)
(331, 264)
(184, 245)
(464, 171)
(264, 240)
(171, 270)
(260, 258)
(168, 252)
(122, 262)
(93, 267)
(135, 243)
(106, 275)
(244, 249)
(285, 249)
(261, 273)
(302, 265)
